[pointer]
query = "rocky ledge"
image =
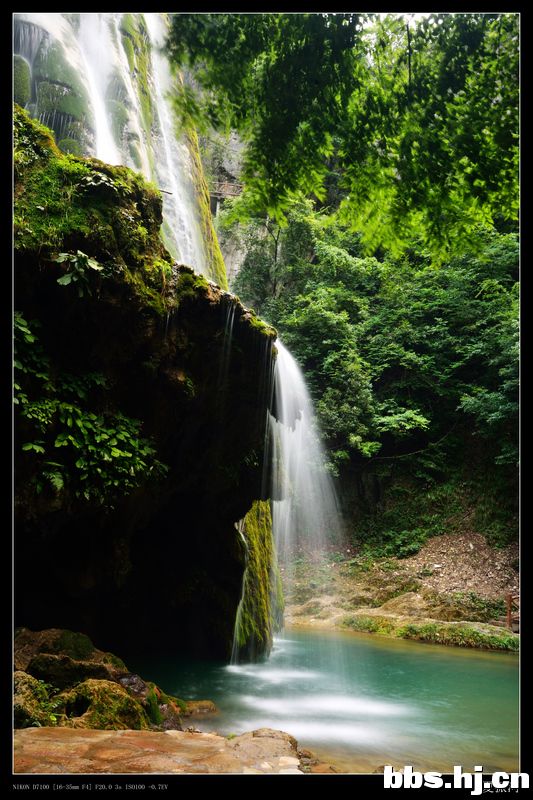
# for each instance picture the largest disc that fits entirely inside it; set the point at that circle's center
(63, 750)
(62, 681)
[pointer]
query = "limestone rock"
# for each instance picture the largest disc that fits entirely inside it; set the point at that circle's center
(101, 704)
(56, 750)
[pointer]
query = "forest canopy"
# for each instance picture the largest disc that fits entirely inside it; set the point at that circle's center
(415, 120)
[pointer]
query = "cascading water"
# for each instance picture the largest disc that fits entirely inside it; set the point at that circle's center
(97, 53)
(305, 511)
(101, 81)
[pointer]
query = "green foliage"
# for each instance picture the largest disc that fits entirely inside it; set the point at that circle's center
(258, 62)
(78, 452)
(397, 353)
(49, 704)
(456, 634)
(71, 146)
(414, 124)
(413, 367)
(459, 635)
(152, 707)
(78, 268)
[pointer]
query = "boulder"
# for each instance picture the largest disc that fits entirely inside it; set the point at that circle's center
(101, 704)
(29, 697)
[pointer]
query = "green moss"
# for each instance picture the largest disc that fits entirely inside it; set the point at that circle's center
(190, 285)
(64, 203)
(169, 698)
(130, 53)
(31, 702)
(70, 146)
(115, 661)
(261, 607)
(459, 636)
(75, 645)
(152, 707)
(136, 43)
(128, 25)
(261, 326)
(58, 100)
(59, 87)
(135, 154)
(21, 81)
(448, 633)
(215, 260)
(101, 704)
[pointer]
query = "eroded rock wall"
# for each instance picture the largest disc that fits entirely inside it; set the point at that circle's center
(148, 349)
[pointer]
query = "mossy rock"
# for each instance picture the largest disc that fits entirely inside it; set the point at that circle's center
(29, 696)
(215, 260)
(101, 704)
(63, 658)
(75, 645)
(65, 203)
(261, 608)
(63, 671)
(21, 81)
(59, 87)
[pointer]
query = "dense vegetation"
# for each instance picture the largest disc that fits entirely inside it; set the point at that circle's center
(417, 124)
(378, 225)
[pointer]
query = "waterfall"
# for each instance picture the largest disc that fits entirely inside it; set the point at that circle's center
(95, 45)
(305, 509)
(102, 82)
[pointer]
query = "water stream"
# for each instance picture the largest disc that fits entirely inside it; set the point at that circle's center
(360, 701)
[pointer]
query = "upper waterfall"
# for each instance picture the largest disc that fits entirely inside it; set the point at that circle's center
(101, 82)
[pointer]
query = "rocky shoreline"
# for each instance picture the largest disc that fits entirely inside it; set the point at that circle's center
(78, 709)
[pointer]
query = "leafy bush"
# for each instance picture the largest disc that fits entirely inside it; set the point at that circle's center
(78, 452)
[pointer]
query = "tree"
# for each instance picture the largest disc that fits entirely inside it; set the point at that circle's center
(421, 119)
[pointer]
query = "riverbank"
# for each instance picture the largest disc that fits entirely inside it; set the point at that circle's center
(451, 592)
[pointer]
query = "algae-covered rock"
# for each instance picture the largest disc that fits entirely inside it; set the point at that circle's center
(101, 704)
(261, 608)
(63, 658)
(29, 701)
(64, 671)
(95, 686)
